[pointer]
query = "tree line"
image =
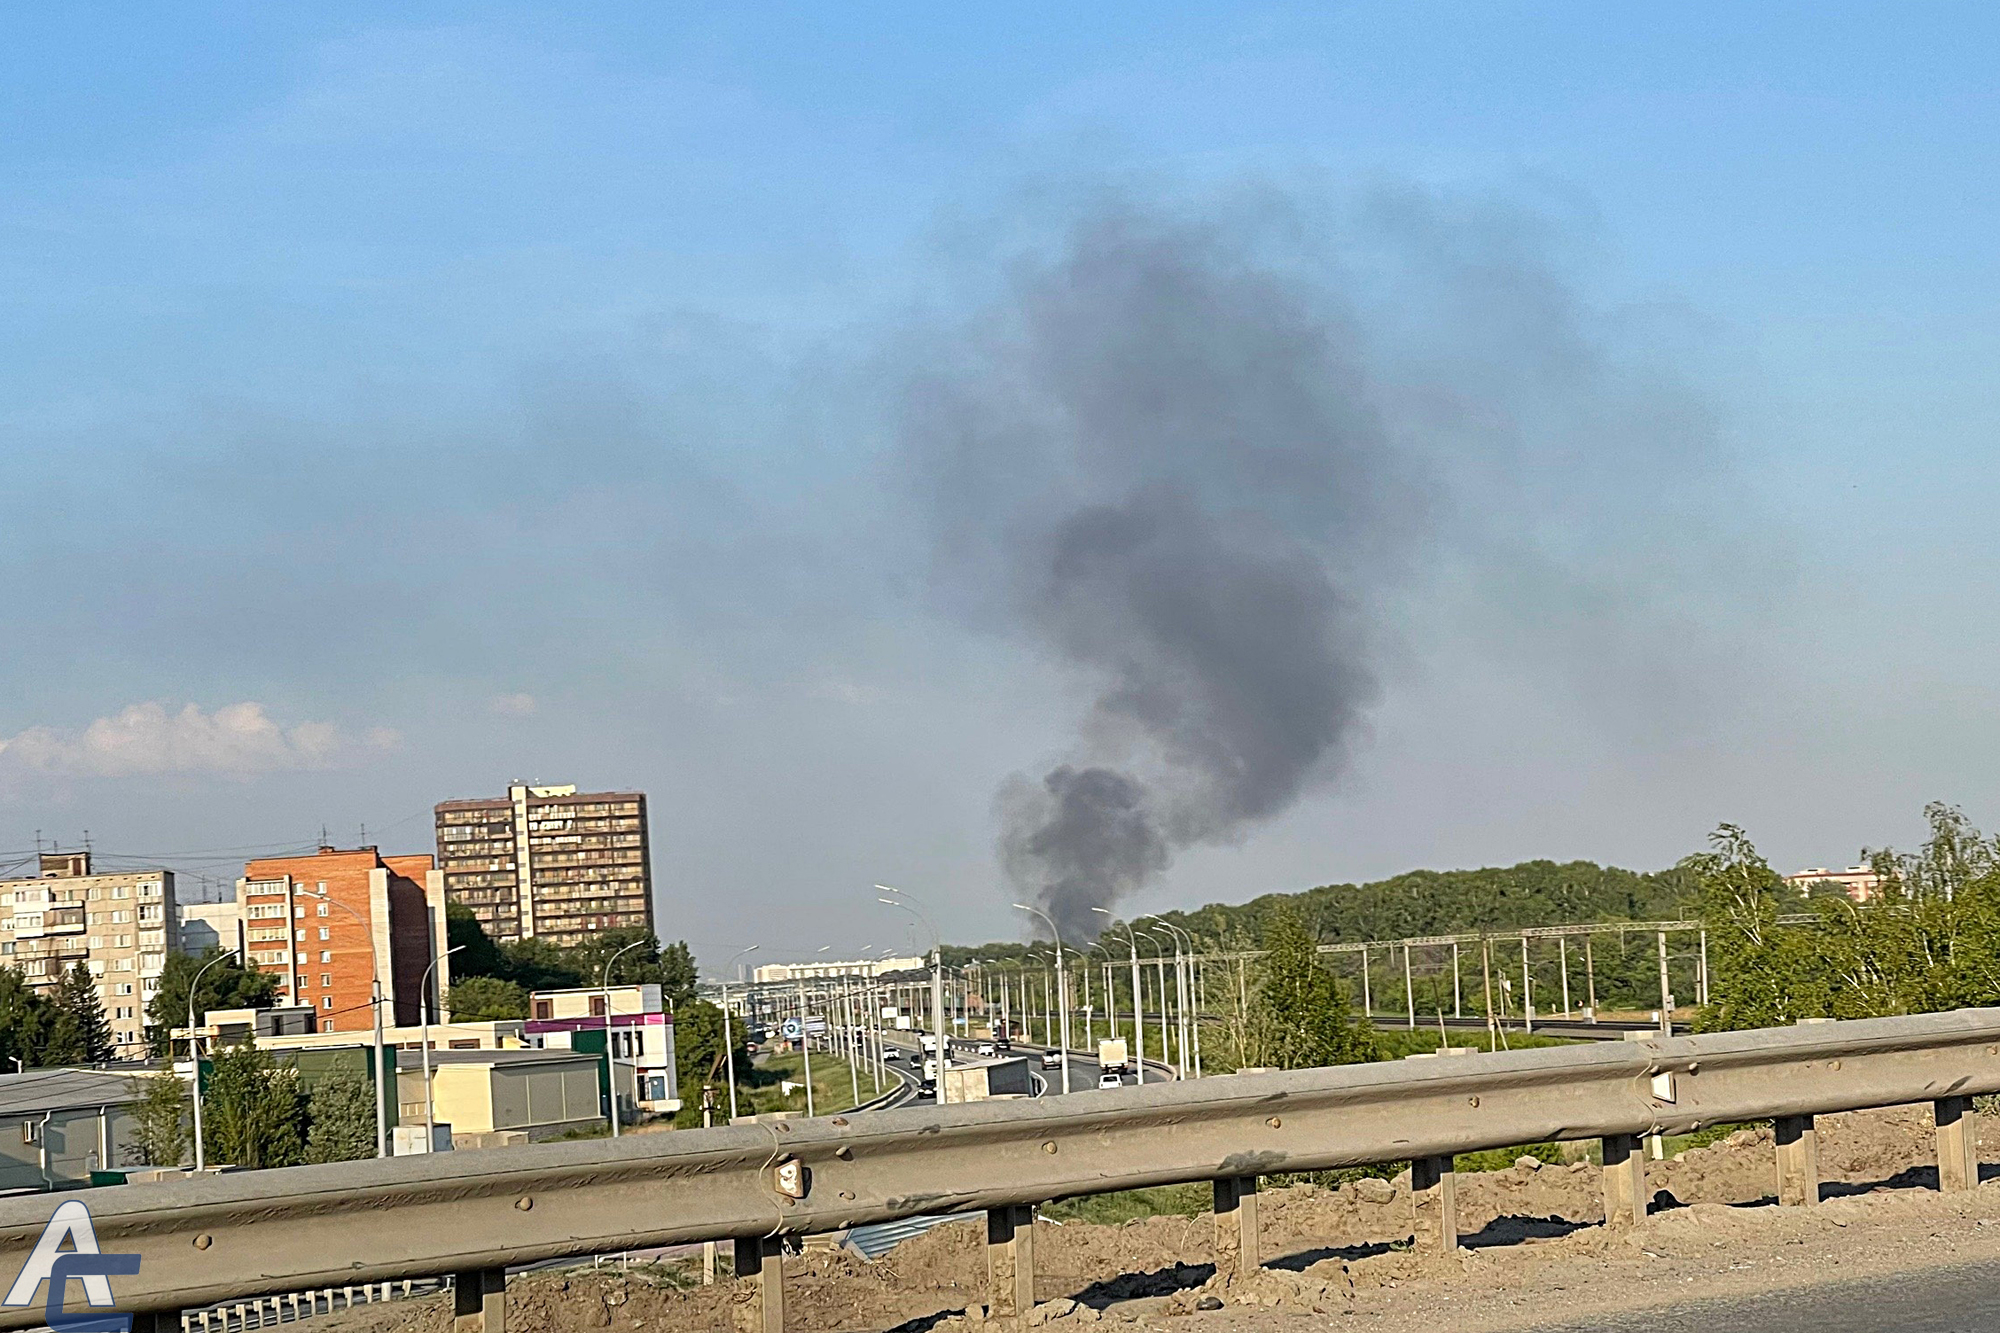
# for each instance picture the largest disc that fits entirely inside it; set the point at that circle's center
(493, 980)
(1926, 940)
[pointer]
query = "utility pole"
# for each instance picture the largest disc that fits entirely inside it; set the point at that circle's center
(1409, 988)
(943, 1038)
(1666, 996)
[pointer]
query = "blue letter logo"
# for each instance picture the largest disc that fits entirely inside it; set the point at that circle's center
(54, 1265)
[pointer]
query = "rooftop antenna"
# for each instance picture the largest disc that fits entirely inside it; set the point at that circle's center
(322, 835)
(364, 835)
(86, 840)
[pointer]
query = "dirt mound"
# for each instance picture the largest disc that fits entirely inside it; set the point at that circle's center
(1326, 1251)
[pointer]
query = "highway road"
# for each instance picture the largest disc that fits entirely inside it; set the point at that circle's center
(1083, 1070)
(1940, 1300)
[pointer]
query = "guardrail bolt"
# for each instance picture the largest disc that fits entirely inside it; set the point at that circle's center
(1236, 1247)
(479, 1301)
(1957, 1145)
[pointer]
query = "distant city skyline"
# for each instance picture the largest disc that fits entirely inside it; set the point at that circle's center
(397, 410)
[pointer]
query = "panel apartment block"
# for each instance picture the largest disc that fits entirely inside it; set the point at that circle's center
(119, 926)
(328, 925)
(549, 862)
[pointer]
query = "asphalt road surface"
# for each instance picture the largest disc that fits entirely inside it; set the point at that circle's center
(1940, 1300)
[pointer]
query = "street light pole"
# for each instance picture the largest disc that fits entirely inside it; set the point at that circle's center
(1062, 986)
(1166, 1005)
(430, 1106)
(939, 1036)
(806, 1045)
(1183, 992)
(1138, 1008)
(610, 1061)
(728, 1041)
(194, 1054)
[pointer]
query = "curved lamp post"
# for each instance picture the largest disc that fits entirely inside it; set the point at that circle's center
(1062, 987)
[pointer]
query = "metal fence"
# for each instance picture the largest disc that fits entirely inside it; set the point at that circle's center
(236, 1237)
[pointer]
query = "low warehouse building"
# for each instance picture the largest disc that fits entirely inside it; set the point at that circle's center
(57, 1126)
(489, 1096)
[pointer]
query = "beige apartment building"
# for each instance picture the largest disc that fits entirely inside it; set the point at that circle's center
(120, 926)
(548, 862)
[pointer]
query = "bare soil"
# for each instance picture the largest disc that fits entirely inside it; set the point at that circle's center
(1536, 1253)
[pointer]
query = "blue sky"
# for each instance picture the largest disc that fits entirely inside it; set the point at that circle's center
(494, 393)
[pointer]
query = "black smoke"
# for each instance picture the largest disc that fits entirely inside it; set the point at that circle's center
(1159, 457)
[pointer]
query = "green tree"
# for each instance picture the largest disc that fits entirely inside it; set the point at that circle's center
(161, 1113)
(537, 964)
(1300, 1018)
(251, 1109)
(479, 998)
(699, 1057)
(227, 985)
(671, 968)
(26, 1018)
(478, 955)
(80, 1033)
(1761, 974)
(341, 1113)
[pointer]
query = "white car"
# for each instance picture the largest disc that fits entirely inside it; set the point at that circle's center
(892, 1054)
(1110, 1079)
(1052, 1059)
(986, 1049)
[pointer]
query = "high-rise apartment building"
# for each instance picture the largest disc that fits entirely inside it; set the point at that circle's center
(548, 862)
(119, 926)
(329, 925)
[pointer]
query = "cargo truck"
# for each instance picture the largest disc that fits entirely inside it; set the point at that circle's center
(1111, 1056)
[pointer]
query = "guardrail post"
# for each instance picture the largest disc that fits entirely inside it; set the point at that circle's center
(1957, 1144)
(1010, 1260)
(478, 1301)
(1236, 1248)
(763, 1257)
(156, 1321)
(1624, 1180)
(1798, 1160)
(1434, 1192)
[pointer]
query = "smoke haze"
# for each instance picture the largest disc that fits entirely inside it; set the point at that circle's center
(1163, 462)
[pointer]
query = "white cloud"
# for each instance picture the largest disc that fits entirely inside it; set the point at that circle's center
(514, 705)
(145, 739)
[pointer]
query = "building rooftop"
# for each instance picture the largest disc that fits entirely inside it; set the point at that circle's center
(528, 1056)
(506, 802)
(39, 1090)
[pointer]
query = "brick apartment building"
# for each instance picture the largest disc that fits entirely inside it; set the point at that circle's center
(548, 862)
(321, 922)
(120, 926)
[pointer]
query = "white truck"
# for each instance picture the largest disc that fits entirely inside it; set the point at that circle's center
(1112, 1057)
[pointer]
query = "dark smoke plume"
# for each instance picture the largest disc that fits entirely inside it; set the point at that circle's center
(1161, 460)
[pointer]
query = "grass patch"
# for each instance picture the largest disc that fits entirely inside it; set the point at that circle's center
(1129, 1205)
(833, 1085)
(1396, 1043)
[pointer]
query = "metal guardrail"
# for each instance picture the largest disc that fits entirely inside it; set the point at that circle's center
(474, 1214)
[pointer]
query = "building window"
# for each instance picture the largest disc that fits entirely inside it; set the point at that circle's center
(326, 979)
(326, 955)
(322, 909)
(326, 1002)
